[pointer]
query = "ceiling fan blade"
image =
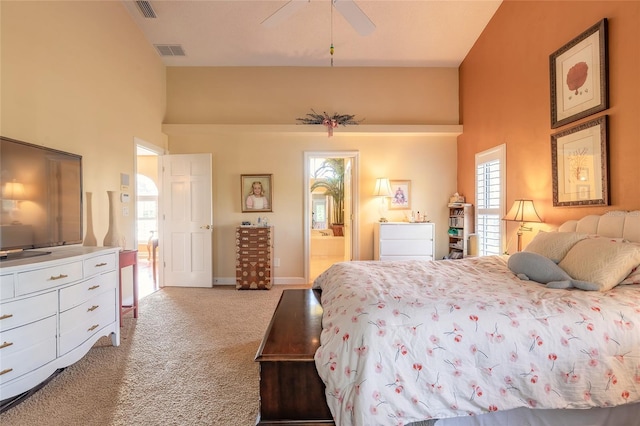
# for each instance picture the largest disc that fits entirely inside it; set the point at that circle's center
(355, 16)
(284, 13)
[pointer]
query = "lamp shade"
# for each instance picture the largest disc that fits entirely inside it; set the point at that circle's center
(383, 188)
(13, 191)
(522, 211)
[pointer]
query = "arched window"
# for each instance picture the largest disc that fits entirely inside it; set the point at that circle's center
(147, 207)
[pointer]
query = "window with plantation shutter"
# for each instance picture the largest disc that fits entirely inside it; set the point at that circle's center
(490, 188)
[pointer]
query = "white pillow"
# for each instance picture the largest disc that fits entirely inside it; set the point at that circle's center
(601, 261)
(554, 245)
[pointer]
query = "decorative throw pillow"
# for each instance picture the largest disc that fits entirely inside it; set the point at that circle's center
(633, 277)
(554, 245)
(535, 267)
(600, 261)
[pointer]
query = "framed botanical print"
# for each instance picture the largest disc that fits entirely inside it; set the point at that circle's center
(256, 193)
(579, 76)
(579, 164)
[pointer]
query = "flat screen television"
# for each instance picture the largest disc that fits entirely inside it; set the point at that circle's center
(41, 198)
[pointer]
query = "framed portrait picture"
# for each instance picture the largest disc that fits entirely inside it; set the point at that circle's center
(400, 195)
(579, 76)
(256, 193)
(579, 164)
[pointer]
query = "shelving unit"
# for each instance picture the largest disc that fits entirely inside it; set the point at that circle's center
(460, 228)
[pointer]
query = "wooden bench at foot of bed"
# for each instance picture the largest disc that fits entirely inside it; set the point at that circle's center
(291, 392)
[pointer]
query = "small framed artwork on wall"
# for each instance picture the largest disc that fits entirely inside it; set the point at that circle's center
(579, 75)
(579, 164)
(400, 195)
(256, 193)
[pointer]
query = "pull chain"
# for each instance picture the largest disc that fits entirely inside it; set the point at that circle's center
(331, 48)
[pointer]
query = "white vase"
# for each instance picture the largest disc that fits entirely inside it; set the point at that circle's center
(112, 239)
(90, 237)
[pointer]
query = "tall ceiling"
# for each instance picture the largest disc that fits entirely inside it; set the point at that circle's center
(221, 33)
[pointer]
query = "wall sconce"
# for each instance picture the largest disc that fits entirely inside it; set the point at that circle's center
(382, 190)
(12, 193)
(522, 211)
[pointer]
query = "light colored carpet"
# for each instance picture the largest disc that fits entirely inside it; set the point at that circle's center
(187, 360)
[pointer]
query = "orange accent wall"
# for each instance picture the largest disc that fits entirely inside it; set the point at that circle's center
(505, 98)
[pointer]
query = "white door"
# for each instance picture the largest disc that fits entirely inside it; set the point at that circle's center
(187, 229)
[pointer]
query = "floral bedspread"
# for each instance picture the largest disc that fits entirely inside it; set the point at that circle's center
(414, 340)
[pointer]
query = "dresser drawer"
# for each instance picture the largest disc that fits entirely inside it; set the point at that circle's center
(79, 293)
(22, 338)
(406, 231)
(391, 258)
(7, 290)
(53, 276)
(26, 348)
(98, 264)
(406, 247)
(24, 311)
(83, 321)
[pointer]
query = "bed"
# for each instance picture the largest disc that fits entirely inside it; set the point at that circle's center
(468, 342)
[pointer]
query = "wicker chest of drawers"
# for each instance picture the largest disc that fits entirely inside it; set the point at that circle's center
(254, 259)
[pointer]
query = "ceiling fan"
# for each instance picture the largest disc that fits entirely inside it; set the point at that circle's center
(347, 8)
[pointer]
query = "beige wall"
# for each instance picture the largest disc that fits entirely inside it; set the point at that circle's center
(279, 95)
(80, 77)
(504, 91)
(233, 97)
(427, 160)
(148, 166)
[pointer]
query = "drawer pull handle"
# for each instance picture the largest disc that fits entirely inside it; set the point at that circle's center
(93, 327)
(6, 316)
(6, 344)
(58, 277)
(101, 264)
(93, 287)
(8, 370)
(93, 308)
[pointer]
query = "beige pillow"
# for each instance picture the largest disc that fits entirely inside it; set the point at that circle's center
(634, 276)
(554, 245)
(601, 261)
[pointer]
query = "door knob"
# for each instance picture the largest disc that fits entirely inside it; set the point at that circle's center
(206, 227)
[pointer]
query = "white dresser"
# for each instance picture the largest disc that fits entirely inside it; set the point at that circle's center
(53, 308)
(403, 241)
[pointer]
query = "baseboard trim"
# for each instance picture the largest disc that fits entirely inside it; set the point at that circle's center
(276, 281)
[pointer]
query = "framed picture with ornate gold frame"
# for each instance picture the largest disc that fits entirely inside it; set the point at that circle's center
(400, 195)
(580, 165)
(579, 76)
(256, 193)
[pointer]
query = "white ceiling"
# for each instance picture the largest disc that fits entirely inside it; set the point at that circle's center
(413, 33)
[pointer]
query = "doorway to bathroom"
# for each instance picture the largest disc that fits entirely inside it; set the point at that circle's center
(331, 224)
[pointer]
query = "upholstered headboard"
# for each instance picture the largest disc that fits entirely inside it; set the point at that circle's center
(614, 224)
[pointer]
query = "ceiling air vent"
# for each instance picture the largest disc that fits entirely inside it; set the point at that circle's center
(170, 49)
(146, 9)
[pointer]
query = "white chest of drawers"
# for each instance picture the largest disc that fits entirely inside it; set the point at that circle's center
(403, 241)
(53, 308)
